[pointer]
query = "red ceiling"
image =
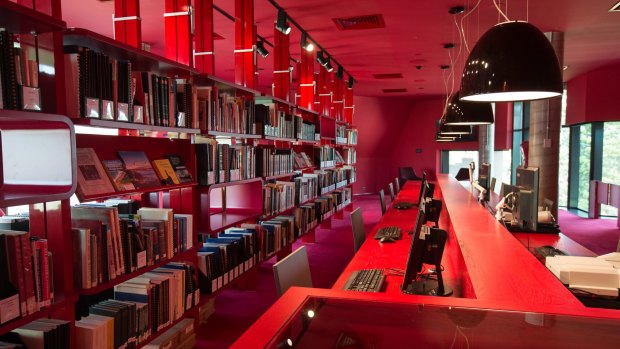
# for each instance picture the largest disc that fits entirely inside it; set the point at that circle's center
(414, 34)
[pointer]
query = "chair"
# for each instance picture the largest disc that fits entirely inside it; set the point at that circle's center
(293, 270)
(492, 186)
(357, 223)
(406, 173)
(397, 183)
(382, 200)
(391, 186)
(433, 211)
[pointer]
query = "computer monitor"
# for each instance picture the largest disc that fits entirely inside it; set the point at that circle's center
(527, 181)
(484, 179)
(423, 188)
(425, 250)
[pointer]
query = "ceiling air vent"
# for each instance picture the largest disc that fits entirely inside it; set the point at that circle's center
(394, 90)
(388, 76)
(360, 22)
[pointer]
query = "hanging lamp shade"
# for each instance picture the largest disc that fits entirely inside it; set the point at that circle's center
(440, 138)
(463, 113)
(513, 61)
(454, 130)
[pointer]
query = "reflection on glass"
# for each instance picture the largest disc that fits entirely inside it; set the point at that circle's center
(564, 157)
(611, 161)
(585, 146)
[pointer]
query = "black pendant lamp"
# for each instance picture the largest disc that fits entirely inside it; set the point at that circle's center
(462, 113)
(454, 130)
(513, 61)
(440, 138)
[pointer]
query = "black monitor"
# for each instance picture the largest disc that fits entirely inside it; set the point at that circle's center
(484, 179)
(423, 188)
(527, 181)
(427, 250)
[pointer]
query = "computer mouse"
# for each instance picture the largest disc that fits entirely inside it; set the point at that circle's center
(386, 239)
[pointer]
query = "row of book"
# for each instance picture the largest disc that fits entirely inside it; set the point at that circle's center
(108, 244)
(302, 161)
(306, 188)
(40, 334)
(351, 156)
(341, 134)
(276, 123)
(278, 197)
(141, 307)
(132, 170)
(325, 156)
(99, 86)
(352, 136)
(26, 271)
(306, 130)
(221, 163)
(223, 258)
(180, 336)
(273, 161)
(19, 73)
(222, 112)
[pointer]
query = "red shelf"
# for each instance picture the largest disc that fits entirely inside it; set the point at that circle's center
(209, 80)
(131, 126)
(60, 302)
(20, 19)
(140, 60)
(123, 278)
(308, 111)
(233, 135)
(306, 168)
(265, 98)
(230, 217)
(137, 191)
(270, 138)
(290, 174)
(342, 122)
(229, 184)
(328, 118)
(306, 141)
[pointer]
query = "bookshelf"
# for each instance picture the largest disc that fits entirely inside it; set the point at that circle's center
(20, 19)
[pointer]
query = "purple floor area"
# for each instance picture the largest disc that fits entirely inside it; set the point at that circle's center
(236, 309)
(598, 235)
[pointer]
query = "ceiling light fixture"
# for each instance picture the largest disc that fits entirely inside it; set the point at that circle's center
(328, 66)
(260, 48)
(281, 24)
(340, 73)
(461, 112)
(440, 138)
(305, 43)
(512, 61)
(320, 58)
(447, 130)
(351, 82)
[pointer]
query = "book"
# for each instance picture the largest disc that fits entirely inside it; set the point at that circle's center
(92, 178)
(119, 176)
(140, 169)
(166, 172)
(179, 168)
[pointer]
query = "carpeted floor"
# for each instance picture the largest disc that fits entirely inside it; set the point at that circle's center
(237, 309)
(598, 235)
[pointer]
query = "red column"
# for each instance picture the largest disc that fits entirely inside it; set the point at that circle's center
(348, 106)
(281, 71)
(306, 81)
(338, 103)
(324, 92)
(127, 25)
(245, 37)
(178, 31)
(204, 60)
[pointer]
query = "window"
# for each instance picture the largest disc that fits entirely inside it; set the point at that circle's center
(521, 133)
(611, 160)
(585, 152)
(459, 159)
(564, 158)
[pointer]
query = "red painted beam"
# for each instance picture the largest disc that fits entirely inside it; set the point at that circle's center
(281, 71)
(245, 37)
(204, 60)
(179, 34)
(127, 22)
(306, 81)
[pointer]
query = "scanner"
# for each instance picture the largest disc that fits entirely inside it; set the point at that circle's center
(597, 275)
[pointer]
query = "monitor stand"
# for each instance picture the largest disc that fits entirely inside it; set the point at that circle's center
(434, 244)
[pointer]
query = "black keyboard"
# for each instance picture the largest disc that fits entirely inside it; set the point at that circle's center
(549, 251)
(366, 280)
(388, 232)
(403, 205)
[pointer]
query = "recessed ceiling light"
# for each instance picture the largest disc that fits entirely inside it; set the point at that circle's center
(615, 8)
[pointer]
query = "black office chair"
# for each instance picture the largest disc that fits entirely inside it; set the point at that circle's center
(406, 173)
(382, 200)
(391, 187)
(433, 211)
(463, 174)
(397, 183)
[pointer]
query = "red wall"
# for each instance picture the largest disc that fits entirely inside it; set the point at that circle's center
(593, 96)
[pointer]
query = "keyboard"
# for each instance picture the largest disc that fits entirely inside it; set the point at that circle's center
(366, 280)
(549, 251)
(388, 232)
(403, 205)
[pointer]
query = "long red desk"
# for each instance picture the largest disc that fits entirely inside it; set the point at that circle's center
(488, 267)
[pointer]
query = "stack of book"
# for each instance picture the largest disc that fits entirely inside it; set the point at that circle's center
(351, 157)
(278, 197)
(26, 271)
(306, 187)
(223, 258)
(305, 130)
(341, 134)
(276, 123)
(179, 336)
(279, 231)
(327, 180)
(342, 197)
(338, 157)
(325, 206)
(305, 218)
(325, 156)
(107, 244)
(302, 161)
(349, 174)
(141, 307)
(222, 112)
(273, 162)
(222, 163)
(19, 74)
(352, 136)
(40, 334)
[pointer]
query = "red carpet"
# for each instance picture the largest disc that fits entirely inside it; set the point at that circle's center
(598, 235)
(236, 309)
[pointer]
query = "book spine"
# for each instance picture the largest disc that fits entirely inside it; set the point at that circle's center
(45, 272)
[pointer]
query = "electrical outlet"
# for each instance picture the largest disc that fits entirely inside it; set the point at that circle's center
(363, 188)
(547, 143)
